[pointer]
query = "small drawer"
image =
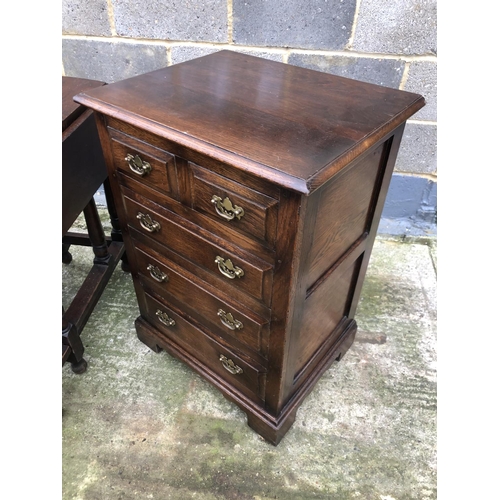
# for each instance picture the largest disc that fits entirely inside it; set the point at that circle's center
(234, 205)
(228, 266)
(229, 320)
(215, 357)
(144, 162)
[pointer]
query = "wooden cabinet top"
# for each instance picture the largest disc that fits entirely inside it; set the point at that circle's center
(70, 87)
(293, 126)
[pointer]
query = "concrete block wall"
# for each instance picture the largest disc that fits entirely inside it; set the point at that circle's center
(386, 42)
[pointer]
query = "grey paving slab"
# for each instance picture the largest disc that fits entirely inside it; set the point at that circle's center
(142, 425)
(406, 228)
(189, 20)
(434, 254)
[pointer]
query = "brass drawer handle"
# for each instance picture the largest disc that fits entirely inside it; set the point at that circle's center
(165, 318)
(229, 365)
(138, 165)
(157, 274)
(225, 208)
(228, 269)
(148, 223)
(229, 321)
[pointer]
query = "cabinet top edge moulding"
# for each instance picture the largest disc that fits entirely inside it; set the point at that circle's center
(291, 126)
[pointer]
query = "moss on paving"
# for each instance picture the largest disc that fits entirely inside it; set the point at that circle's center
(140, 425)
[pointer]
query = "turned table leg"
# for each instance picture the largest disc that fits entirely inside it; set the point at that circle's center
(96, 233)
(116, 232)
(66, 256)
(72, 340)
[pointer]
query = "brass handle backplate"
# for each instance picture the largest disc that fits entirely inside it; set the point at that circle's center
(138, 165)
(229, 321)
(157, 274)
(165, 318)
(148, 223)
(230, 365)
(226, 209)
(228, 269)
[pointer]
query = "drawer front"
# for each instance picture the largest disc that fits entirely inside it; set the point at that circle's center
(217, 230)
(147, 164)
(234, 205)
(215, 357)
(227, 266)
(231, 321)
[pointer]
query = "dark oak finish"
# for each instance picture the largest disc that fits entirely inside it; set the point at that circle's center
(83, 171)
(179, 287)
(280, 169)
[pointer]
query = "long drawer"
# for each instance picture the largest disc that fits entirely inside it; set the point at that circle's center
(228, 266)
(217, 228)
(224, 316)
(213, 355)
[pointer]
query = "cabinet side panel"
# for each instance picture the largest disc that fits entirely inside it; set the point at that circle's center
(323, 312)
(343, 214)
(391, 148)
(343, 218)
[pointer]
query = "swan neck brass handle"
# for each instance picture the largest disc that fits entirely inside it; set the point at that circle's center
(165, 318)
(229, 321)
(226, 209)
(148, 223)
(228, 269)
(138, 165)
(157, 274)
(230, 365)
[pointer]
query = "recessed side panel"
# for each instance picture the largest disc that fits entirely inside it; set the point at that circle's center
(324, 310)
(343, 214)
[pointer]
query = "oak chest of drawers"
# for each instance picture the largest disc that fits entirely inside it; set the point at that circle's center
(249, 193)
